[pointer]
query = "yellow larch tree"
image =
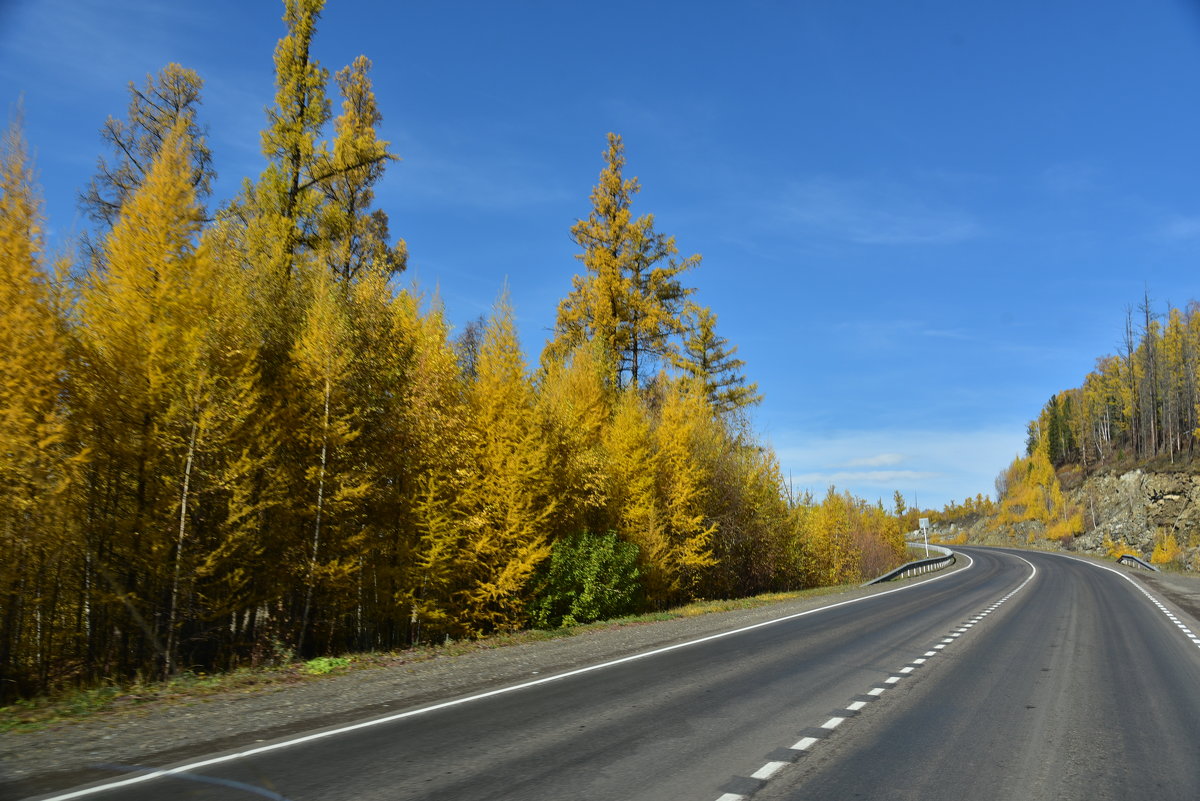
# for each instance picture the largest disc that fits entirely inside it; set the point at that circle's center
(272, 233)
(687, 439)
(631, 297)
(574, 405)
(353, 237)
(214, 411)
(149, 378)
(832, 541)
(432, 468)
(507, 506)
(209, 394)
(333, 482)
(633, 494)
(164, 102)
(384, 340)
(709, 358)
(1032, 492)
(1178, 412)
(36, 467)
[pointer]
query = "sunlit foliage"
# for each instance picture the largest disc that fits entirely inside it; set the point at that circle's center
(229, 438)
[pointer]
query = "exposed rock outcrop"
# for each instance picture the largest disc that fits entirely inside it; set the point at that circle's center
(1136, 509)
(1139, 508)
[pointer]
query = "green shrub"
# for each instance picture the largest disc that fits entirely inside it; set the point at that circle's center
(325, 664)
(589, 577)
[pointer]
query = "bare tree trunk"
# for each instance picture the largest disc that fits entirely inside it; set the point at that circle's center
(184, 497)
(1149, 343)
(1134, 405)
(316, 539)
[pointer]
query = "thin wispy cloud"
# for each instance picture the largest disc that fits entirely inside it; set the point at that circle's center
(49, 33)
(1179, 229)
(872, 214)
(946, 333)
(882, 334)
(886, 479)
(880, 460)
(1070, 178)
(929, 467)
(431, 176)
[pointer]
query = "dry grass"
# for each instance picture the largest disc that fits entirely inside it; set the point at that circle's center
(191, 687)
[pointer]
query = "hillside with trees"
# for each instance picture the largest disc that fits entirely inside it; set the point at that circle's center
(228, 436)
(1111, 465)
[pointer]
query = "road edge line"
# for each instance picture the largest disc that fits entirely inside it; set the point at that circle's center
(86, 791)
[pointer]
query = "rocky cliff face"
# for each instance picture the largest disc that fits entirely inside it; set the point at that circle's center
(1136, 508)
(1139, 507)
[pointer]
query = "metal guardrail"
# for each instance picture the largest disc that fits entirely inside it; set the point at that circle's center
(945, 558)
(1134, 561)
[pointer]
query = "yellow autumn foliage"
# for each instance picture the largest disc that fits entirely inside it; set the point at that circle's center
(1166, 550)
(230, 438)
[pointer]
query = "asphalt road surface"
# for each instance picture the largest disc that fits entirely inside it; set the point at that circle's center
(1026, 676)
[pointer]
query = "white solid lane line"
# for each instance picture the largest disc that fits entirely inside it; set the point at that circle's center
(320, 735)
(1162, 607)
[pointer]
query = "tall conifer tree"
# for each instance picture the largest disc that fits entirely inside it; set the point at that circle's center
(155, 109)
(353, 237)
(508, 505)
(631, 297)
(35, 468)
(710, 359)
(148, 382)
(329, 410)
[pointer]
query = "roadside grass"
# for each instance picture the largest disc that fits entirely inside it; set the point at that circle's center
(194, 687)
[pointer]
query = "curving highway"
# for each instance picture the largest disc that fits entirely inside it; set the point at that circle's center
(1025, 676)
(1083, 688)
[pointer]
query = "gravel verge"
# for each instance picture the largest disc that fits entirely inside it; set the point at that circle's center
(1182, 589)
(68, 754)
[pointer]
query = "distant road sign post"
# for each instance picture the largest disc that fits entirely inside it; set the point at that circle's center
(925, 533)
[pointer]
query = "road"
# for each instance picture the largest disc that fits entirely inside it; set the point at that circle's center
(1082, 689)
(1026, 676)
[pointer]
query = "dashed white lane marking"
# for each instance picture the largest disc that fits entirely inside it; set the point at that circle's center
(804, 744)
(767, 771)
(262, 749)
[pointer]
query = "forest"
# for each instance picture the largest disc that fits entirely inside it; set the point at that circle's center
(1138, 408)
(1140, 404)
(229, 436)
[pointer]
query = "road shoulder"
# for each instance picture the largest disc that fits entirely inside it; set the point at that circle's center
(62, 755)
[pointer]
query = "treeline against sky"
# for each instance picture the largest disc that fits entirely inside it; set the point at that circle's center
(1140, 404)
(226, 436)
(1136, 407)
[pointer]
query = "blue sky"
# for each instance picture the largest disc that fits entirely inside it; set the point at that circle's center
(918, 220)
